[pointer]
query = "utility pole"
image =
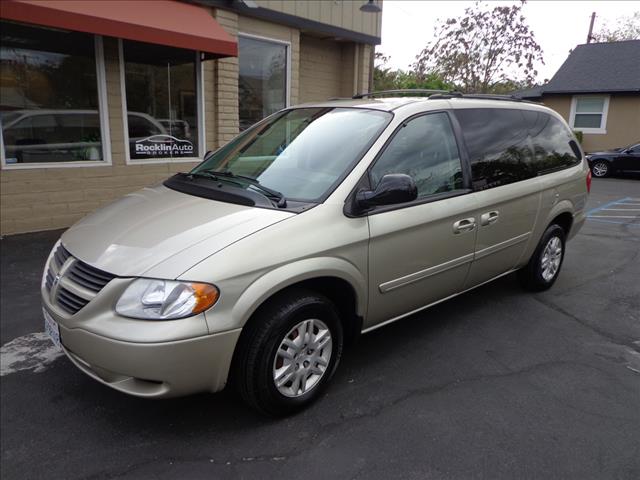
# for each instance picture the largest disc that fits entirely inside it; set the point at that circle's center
(590, 35)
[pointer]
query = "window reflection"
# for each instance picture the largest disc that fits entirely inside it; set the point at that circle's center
(48, 95)
(262, 83)
(162, 111)
(510, 145)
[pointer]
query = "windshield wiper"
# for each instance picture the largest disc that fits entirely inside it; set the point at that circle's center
(212, 176)
(280, 199)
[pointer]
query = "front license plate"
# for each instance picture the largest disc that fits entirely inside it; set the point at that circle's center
(51, 329)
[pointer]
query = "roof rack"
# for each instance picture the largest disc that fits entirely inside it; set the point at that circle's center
(478, 96)
(441, 95)
(406, 91)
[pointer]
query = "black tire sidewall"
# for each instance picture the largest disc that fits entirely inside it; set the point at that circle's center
(308, 307)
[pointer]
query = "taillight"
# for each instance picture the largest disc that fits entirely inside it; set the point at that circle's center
(589, 181)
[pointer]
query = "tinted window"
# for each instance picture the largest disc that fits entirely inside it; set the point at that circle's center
(508, 145)
(551, 143)
(425, 149)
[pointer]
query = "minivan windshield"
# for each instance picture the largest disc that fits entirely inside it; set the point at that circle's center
(300, 153)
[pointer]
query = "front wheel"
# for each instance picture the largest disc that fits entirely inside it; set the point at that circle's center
(289, 353)
(544, 266)
(600, 169)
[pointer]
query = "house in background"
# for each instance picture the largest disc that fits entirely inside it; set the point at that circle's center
(101, 98)
(597, 91)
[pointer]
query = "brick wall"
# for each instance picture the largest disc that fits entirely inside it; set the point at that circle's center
(332, 69)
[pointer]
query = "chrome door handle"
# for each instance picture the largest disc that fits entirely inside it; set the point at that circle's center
(464, 225)
(489, 218)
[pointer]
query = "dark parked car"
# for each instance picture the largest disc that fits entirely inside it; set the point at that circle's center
(618, 160)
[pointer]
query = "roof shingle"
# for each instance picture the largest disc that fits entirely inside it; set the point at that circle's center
(599, 68)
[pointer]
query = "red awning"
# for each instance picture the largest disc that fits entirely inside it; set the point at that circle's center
(163, 22)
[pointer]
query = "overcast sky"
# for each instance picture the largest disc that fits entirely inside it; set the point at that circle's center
(558, 26)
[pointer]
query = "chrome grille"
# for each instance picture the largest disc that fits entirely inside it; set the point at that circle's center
(71, 283)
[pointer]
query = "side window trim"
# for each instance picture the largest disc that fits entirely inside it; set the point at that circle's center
(365, 180)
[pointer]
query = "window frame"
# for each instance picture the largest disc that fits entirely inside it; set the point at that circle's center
(603, 119)
(365, 180)
(277, 41)
(103, 114)
(200, 102)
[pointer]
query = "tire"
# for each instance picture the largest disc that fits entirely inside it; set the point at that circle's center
(601, 168)
(280, 341)
(544, 266)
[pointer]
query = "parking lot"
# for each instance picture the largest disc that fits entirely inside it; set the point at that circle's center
(497, 383)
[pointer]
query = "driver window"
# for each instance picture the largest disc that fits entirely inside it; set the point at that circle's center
(425, 149)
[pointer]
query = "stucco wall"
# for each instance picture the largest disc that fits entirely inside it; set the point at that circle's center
(623, 121)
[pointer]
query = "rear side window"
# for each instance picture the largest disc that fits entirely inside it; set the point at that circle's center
(551, 143)
(425, 149)
(509, 145)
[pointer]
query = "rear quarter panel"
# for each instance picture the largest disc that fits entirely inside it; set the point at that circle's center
(562, 191)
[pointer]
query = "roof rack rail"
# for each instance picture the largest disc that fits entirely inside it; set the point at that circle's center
(478, 96)
(406, 91)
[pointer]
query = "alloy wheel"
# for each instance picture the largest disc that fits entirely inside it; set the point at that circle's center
(302, 358)
(551, 258)
(600, 169)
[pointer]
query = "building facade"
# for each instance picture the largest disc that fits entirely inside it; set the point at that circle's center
(597, 91)
(106, 98)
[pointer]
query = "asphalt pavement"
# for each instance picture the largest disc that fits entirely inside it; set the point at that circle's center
(497, 383)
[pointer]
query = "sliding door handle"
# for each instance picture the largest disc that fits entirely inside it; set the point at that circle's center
(464, 225)
(489, 218)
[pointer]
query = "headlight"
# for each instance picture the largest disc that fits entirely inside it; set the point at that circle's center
(153, 299)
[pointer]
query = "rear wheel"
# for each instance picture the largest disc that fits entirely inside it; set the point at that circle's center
(601, 169)
(288, 353)
(544, 266)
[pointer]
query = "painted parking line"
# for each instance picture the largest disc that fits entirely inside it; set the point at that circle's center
(616, 209)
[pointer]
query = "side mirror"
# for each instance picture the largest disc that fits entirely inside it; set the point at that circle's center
(393, 188)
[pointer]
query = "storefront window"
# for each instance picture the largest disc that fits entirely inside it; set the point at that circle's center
(49, 103)
(162, 102)
(263, 79)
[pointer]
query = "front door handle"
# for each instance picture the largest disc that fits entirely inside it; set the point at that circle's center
(489, 218)
(464, 225)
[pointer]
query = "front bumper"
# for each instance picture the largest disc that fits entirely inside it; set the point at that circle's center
(153, 370)
(145, 358)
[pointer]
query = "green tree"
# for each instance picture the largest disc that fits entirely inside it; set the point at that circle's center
(625, 28)
(385, 78)
(483, 50)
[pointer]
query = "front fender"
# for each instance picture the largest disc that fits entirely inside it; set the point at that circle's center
(282, 277)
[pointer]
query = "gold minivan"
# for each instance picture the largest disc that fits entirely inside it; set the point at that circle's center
(319, 223)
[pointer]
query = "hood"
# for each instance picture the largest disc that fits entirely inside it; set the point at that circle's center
(138, 234)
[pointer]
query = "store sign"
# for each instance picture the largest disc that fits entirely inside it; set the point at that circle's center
(157, 146)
